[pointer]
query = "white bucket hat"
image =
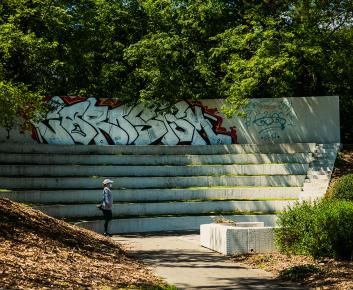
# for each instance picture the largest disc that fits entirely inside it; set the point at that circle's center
(106, 181)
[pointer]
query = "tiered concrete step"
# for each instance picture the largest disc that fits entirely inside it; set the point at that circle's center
(138, 170)
(150, 182)
(70, 196)
(156, 224)
(157, 150)
(168, 208)
(96, 159)
(158, 184)
(319, 172)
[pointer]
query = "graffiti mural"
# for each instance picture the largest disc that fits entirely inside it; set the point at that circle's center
(270, 118)
(77, 120)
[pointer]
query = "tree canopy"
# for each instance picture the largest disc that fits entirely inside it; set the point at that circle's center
(158, 51)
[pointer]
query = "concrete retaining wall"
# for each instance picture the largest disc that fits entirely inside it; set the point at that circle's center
(46, 159)
(282, 148)
(155, 194)
(139, 171)
(98, 121)
(169, 223)
(150, 182)
(171, 208)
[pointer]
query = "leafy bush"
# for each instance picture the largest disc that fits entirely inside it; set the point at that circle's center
(321, 229)
(343, 188)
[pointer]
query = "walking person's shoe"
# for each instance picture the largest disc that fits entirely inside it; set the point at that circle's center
(107, 234)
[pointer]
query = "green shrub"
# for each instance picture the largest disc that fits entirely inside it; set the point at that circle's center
(320, 229)
(293, 225)
(343, 188)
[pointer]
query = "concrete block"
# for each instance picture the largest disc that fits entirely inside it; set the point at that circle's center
(233, 240)
(156, 149)
(132, 170)
(67, 196)
(187, 159)
(157, 224)
(149, 182)
(166, 208)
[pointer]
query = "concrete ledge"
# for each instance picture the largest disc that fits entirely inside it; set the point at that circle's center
(153, 194)
(139, 225)
(156, 149)
(170, 208)
(108, 170)
(187, 159)
(233, 240)
(149, 182)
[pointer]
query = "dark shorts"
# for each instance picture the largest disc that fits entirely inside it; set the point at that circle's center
(107, 214)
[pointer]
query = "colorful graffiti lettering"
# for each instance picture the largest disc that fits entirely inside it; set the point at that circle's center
(76, 120)
(270, 118)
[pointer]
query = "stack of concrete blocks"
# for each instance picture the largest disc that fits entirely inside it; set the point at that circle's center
(319, 172)
(243, 238)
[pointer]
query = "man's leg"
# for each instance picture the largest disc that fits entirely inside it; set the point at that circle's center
(107, 217)
(106, 220)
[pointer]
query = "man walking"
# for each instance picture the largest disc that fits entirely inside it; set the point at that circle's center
(107, 204)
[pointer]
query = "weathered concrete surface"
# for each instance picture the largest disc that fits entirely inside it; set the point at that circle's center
(162, 224)
(155, 194)
(319, 174)
(181, 261)
(187, 159)
(235, 239)
(137, 170)
(165, 208)
(279, 120)
(150, 182)
(158, 149)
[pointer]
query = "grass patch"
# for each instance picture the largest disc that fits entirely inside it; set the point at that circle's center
(228, 187)
(234, 199)
(213, 213)
(299, 273)
(198, 200)
(5, 190)
(242, 163)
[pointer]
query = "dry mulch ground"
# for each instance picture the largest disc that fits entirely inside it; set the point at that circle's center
(40, 252)
(328, 274)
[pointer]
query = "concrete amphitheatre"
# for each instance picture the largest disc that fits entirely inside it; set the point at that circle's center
(173, 170)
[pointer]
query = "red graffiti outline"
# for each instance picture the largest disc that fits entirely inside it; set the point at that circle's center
(219, 129)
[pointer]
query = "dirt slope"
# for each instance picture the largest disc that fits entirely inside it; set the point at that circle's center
(40, 252)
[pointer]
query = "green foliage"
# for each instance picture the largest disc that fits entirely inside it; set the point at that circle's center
(55, 47)
(157, 51)
(342, 188)
(16, 100)
(258, 61)
(321, 229)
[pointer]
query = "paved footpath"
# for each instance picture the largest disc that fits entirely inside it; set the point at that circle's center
(181, 261)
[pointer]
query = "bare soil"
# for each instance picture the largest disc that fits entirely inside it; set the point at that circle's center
(40, 252)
